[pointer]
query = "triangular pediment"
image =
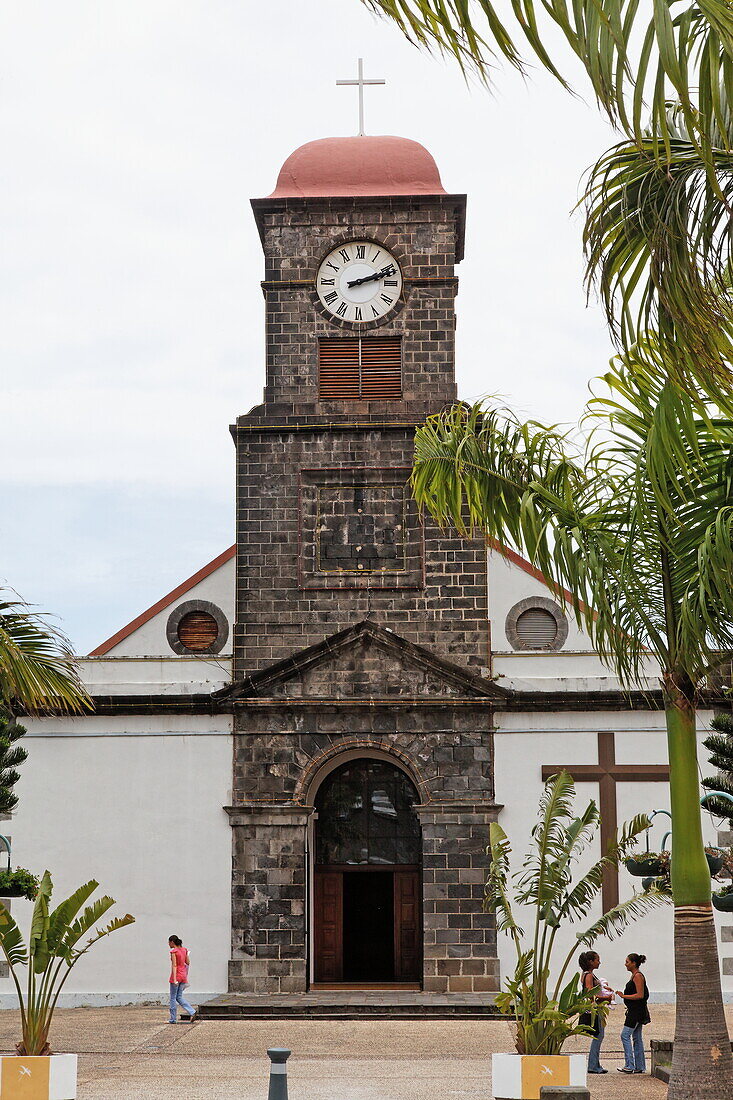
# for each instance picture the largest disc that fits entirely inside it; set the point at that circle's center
(365, 661)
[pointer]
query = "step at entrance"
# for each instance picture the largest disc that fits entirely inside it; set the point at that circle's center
(349, 1005)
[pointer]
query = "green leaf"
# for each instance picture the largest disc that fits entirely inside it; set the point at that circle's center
(11, 939)
(37, 665)
(38, 947)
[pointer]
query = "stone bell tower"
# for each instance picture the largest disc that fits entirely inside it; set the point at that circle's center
(362, 699)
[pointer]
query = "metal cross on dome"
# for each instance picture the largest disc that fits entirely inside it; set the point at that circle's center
(359, 83)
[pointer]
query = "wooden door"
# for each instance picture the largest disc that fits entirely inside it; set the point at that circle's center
(407, 925)
(329, 926)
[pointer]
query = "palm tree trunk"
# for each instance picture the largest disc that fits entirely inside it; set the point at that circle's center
(702, 1068)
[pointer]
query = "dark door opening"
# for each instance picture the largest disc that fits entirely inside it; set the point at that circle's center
(369, 927)
(366, 899)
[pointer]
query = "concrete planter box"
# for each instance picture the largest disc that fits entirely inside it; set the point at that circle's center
(521, 1076)
(52, 1077)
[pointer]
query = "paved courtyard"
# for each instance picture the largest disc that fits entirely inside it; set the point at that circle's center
(131, 1053)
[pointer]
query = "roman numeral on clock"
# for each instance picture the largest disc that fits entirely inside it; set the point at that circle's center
(390, 282)
(360, 251)
(344, 255)
(386, 299)
(375, 313)
(330, 297)
(357, 312)
(341, 311)
(332, 266)
(377, 253)
(330, 282)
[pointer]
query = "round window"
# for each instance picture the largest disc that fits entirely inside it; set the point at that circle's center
(198, 630)
(536, 623)
(537, 629)
(197, 626)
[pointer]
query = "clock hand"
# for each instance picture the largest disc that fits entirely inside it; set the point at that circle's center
(388, 270)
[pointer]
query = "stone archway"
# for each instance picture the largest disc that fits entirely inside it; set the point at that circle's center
(367, 874)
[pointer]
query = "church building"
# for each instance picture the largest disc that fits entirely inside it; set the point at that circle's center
(295, 755)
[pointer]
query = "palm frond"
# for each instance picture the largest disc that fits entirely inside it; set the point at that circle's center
(658, 249)
(496, 898)
(37, 665)
(636, 58)
(634, 533)
(578, 901)
(617, 920)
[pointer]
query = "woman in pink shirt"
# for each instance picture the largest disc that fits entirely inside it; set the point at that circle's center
(178, 979)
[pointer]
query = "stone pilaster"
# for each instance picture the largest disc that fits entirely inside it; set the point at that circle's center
(459, 937)
(268, 899)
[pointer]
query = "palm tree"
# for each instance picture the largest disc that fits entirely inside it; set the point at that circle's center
(38, 671)
(657, 240)
(633, 527)
(636, 57)
(639, 60)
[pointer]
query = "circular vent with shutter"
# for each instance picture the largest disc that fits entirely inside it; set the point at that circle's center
(197, 626)
(536, 629)
(198, 630)
(536, 623)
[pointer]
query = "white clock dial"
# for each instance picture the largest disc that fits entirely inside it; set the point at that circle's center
(359, 281)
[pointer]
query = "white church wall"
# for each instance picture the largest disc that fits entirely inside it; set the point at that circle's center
(171, 675)
(575, 667)
(566, 670)
(508, 584)
(141, 812)
(526, 742)
(150, 638)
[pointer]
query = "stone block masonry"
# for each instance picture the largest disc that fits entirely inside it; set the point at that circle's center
(277, 768)
(328, 539)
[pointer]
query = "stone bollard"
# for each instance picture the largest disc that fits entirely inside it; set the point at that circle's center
(278, 1073)
(564, 1092)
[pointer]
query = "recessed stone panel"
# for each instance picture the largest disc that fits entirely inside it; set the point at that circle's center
(359, 528)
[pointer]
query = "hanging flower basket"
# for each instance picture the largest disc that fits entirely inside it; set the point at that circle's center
(655, 883)
(657, 864)
(648, 865)
(715, 859)
(18, 884)
(723, 900)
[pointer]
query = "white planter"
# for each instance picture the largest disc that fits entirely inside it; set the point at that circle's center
(50, 1077)
(521, 1076)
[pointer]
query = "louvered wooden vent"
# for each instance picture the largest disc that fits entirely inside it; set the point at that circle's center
(536, 629)
(198, 630)
(361, 369)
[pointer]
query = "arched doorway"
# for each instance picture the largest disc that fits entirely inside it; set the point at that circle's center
(367, 876)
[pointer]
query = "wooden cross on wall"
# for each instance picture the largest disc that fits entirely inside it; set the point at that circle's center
(607, 773)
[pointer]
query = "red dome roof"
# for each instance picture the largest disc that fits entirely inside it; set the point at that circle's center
(346, 166)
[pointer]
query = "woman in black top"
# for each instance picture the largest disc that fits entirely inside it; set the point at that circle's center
(635, 995)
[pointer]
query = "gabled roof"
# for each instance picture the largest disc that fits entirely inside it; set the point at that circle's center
(166, 601)
(228, 554)
(532, 571)
(434, 677)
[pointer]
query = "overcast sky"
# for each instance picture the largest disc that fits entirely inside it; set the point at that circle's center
(134, 133)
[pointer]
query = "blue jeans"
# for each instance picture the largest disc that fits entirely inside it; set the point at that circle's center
(632, 1040)
(594, 1054)
(177, 989)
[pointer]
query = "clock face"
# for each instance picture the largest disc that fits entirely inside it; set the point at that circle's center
(359, 281)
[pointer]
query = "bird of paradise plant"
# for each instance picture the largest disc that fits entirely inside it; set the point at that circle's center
(53, 950)
(545, 1014)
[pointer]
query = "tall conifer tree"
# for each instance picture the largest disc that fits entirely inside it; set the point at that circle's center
(720, 745)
